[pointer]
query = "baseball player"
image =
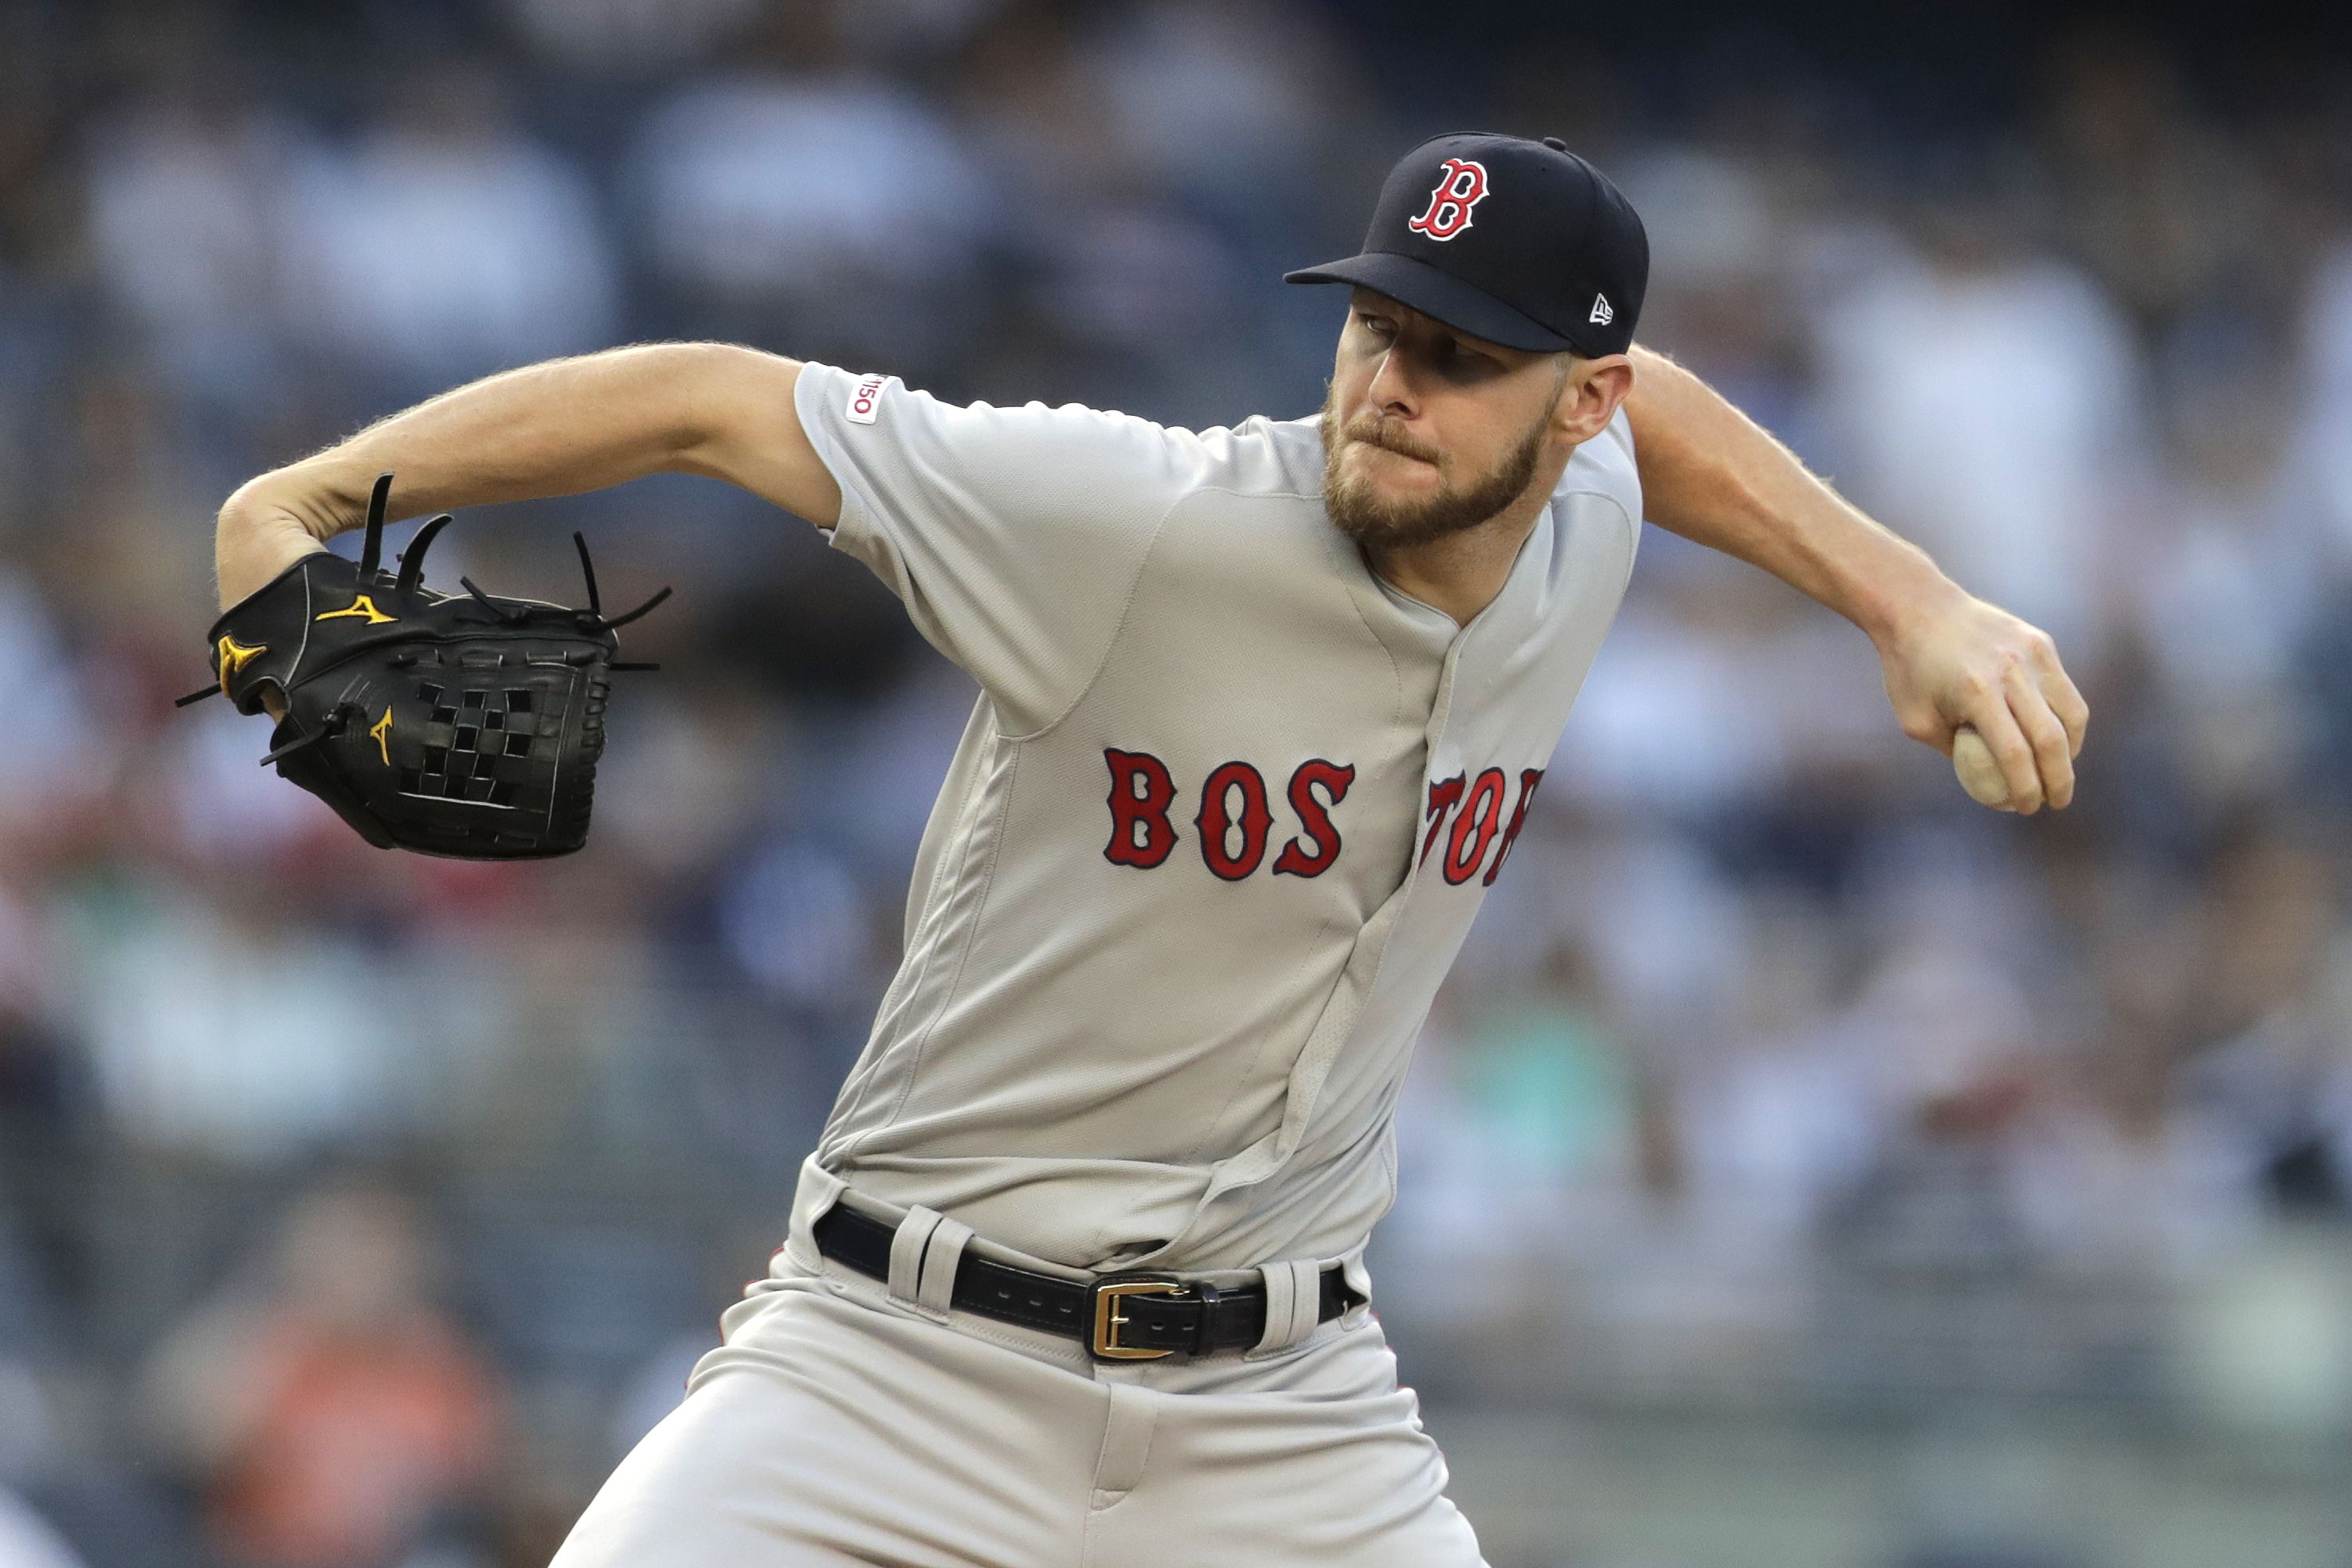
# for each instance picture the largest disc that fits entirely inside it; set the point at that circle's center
(1075, 1273)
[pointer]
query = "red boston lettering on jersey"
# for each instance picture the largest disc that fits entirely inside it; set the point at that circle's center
(1141, 793)
(1217, 823)
(1462, 187)
(1235, 819)
(1529, 779)
(1333, 779)
(1474, 826)
(1444, 794)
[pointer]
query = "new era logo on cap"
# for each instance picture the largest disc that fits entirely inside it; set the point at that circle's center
(1601, 311)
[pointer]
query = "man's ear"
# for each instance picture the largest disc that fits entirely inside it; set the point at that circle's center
(1596, 389)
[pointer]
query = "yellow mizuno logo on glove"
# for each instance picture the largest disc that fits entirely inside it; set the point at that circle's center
(233, 656)
(380, 732)
(361, 606)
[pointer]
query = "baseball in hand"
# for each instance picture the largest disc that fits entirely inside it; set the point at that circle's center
(1980, 773)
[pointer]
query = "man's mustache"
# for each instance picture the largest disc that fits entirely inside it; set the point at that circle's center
(1374, 431)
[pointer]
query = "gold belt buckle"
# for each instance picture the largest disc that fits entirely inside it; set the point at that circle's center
(1109, 1319)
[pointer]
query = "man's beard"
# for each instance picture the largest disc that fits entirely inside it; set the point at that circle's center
(1360, 511)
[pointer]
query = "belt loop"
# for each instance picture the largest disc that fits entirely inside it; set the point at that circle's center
(906, 1244)
(935, 1281)
(1306, 1298)
(1293, 1302)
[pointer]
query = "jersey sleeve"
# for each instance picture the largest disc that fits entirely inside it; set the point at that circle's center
(1015, 536)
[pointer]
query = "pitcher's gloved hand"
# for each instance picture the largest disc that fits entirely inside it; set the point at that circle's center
(452, 724)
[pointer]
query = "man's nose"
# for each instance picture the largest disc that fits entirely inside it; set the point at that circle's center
(1391, 389)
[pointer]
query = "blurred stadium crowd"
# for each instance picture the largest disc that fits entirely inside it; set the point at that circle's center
(358, 1210)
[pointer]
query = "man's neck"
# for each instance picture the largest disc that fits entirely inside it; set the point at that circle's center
(1463, 573)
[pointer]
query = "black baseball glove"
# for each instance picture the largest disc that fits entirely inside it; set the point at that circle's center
(452, 724)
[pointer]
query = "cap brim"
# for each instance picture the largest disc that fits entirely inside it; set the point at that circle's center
(1438, 295)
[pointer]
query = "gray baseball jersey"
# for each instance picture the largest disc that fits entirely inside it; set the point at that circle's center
(1215, 830)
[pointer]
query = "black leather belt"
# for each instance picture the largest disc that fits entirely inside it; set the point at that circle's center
(1122, 1317)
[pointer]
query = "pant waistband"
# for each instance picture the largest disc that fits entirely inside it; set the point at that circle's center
(1119, 1317)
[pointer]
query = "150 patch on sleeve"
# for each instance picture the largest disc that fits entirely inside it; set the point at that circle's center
(865, 400)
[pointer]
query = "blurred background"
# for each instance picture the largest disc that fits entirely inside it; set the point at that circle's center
(1803, 1166)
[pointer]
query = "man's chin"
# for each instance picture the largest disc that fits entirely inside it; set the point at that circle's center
(1384, 516)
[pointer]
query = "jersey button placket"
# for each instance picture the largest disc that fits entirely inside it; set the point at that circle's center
(1441, 714)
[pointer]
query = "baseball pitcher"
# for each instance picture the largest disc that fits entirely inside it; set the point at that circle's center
(1075, 1275)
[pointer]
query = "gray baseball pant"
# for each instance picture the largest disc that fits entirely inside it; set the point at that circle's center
(843, 1421)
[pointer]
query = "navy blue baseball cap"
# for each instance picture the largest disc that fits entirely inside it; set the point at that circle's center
(1521, 243)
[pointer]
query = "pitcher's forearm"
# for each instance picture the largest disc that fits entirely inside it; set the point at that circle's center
(551, 429)
(1716, 477)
